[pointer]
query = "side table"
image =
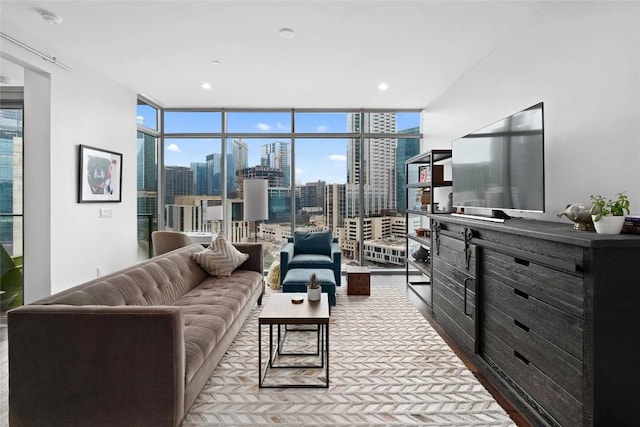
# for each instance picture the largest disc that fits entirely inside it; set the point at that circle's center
(358, 280)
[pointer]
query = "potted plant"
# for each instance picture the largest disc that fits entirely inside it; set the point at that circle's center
(313, 288)
(607, 214)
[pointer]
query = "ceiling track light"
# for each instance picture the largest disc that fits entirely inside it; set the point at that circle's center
(51, 59)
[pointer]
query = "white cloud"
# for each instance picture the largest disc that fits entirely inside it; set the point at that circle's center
(338, 157)
(281, 126)
(323, 128)
(299, 171)
(174, 148)
(263, 126)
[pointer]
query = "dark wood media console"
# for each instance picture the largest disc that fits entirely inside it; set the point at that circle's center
(551, 315)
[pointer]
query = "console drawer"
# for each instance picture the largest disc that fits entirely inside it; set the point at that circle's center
(560, 407)
(556, 326)
(559, 289)
(557, 364)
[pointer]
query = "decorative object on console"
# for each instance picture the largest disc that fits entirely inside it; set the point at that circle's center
(314, 290)
(607, 214)
(421, 254)
(631, 224)
(256, 202)
(580, 214)
(449, 203)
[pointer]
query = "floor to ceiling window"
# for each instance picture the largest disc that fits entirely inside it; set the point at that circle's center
(11, 200)
(335, 170)
(147, 176)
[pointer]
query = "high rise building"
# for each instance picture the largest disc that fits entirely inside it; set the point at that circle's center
(200, 178)
(276, 155)
(239, 161)
(335, 206)
(178, 181)
(11, 182)
(147, 162)
(312, 194)
(376, 169)
(214, 174)
(405, 149)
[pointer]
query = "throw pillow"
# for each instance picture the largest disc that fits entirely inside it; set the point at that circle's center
(273, 277)
(221, 258)
(312, 243)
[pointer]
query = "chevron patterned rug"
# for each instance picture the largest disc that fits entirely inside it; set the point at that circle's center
(388, 367)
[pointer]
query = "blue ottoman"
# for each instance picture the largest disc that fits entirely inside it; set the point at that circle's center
(297, 278)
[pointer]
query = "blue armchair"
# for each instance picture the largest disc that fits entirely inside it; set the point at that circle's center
(311, 250)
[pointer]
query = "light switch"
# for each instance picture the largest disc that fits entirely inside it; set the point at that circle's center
(106, 213)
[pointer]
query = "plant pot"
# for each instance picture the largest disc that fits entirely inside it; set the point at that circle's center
(314, 294)
(609, 224)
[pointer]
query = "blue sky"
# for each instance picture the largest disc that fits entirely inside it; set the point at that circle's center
(316, 159)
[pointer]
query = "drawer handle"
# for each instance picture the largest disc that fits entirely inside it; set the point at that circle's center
(521, 261)
(466, 279)
(521, 294)
(521, 357)
(521, 325)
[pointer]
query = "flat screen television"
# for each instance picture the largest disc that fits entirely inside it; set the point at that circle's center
(501, 166)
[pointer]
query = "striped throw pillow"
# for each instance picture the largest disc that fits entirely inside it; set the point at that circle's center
(220, 258)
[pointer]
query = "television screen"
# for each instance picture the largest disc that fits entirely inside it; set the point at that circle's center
(501, 166)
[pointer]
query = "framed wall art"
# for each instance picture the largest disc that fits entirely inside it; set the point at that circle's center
(100, 175)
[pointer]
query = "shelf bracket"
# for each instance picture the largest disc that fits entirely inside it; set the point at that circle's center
(437, 228)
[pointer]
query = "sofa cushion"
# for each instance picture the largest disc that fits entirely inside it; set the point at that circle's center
(209, 309)
(220, 258)
(310, 261)
(312, 243)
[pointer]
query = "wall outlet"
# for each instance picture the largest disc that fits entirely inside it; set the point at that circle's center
(99, 271)
(106, 213)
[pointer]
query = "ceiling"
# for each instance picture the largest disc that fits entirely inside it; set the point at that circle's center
(341, 50)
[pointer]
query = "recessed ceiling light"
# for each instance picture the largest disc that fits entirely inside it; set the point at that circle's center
(50, 17)
(216, 62)
(383, 86)
(286, 33)
(206, 85)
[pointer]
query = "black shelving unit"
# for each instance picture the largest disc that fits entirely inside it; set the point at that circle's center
(422, 179)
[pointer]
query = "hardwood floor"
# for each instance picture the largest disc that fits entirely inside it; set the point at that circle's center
(518, 418)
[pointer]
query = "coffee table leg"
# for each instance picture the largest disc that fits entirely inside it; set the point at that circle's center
(260, 355)
(326, 330)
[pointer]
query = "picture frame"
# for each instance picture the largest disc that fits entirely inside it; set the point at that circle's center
(99, 175)
(424, 174)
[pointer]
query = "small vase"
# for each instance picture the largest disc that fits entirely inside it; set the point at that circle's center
(609, 224)
(314, 294)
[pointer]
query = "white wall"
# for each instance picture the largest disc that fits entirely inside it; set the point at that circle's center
(65, 241)
(583, 61)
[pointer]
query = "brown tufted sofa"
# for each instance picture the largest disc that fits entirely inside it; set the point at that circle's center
(133, 348)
